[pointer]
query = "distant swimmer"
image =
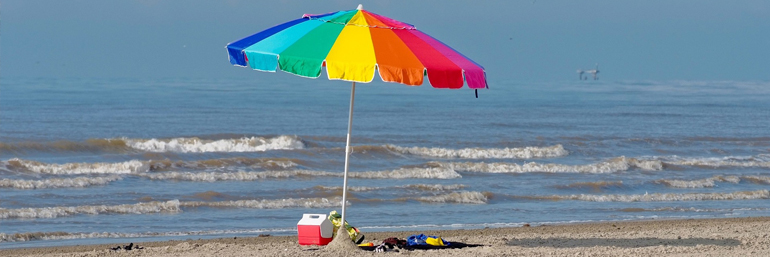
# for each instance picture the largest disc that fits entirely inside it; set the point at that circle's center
(595, 72)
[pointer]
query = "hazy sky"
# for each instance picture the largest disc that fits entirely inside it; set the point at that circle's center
(513, 40)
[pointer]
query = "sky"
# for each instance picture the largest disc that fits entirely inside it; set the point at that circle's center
(514, 40)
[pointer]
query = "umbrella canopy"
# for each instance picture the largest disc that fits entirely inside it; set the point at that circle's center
(353, 45)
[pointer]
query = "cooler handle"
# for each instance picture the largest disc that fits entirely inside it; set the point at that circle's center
(313, 216)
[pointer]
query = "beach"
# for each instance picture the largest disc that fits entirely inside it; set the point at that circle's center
(515, 128)
(691, 237)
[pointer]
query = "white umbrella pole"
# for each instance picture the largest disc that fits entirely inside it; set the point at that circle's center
(347, 154)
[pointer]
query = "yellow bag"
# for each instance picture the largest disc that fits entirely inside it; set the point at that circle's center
(336, 220)
(434, 241)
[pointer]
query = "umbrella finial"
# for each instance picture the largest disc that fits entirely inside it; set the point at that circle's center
(360, 7)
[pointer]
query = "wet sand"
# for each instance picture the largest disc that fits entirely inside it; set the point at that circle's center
(694, 237)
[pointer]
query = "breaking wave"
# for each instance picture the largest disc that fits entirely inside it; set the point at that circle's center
(33, 236)
(436, 187)
(700, 183)
(57, 182)
(760, 161)
(711, 182)
(127, 167)
(197, 145)
(136, 166)
(664, 197)
(267, 163)
(757, 179)
(232, 176)
(111, 145)
(690, 209)
(466, 197)
(270, 204)
(610, 166)
(181, 144)
(173, 206)
(55, 212)
(422, 187)
(482, 153)
(402, 173)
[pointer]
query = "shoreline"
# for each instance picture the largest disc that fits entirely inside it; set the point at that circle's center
(720, 236)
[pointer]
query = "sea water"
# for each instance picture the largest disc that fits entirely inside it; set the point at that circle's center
(87, 161)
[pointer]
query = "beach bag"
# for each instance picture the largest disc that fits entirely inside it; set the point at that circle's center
(422, 239)
(336, 220)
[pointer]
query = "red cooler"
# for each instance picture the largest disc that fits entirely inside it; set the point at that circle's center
(314, 229)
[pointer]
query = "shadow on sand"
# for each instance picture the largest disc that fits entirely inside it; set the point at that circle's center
(619, 242)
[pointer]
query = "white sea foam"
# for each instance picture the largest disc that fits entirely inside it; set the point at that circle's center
(760, 161)
(610, 166)
(55, 212)
(58, 182)
(351, 189)
(700, 183)
(197, 145)
(267, 163)
(693, 209)
(659, 197)
(33, 236)
(233, 176)
(136, 166)
(423, 187)
(470, 197)
(128, 167)
(285, 164)
(403, 173)
(711, 182)
(484, 153)
(435, 187)
(757, 179)
(172, 206)
(270, 203)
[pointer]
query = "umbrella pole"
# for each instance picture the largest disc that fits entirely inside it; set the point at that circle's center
(347, 154)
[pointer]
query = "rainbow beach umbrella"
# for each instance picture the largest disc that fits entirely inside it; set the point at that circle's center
(353, 45)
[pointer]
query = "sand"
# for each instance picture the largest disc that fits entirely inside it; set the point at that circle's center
(698, 237)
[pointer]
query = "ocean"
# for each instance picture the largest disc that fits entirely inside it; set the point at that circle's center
(85, 161)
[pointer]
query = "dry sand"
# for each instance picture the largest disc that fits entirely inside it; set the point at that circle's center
(699, 237)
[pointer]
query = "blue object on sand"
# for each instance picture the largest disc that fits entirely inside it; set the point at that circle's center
(420, 240)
